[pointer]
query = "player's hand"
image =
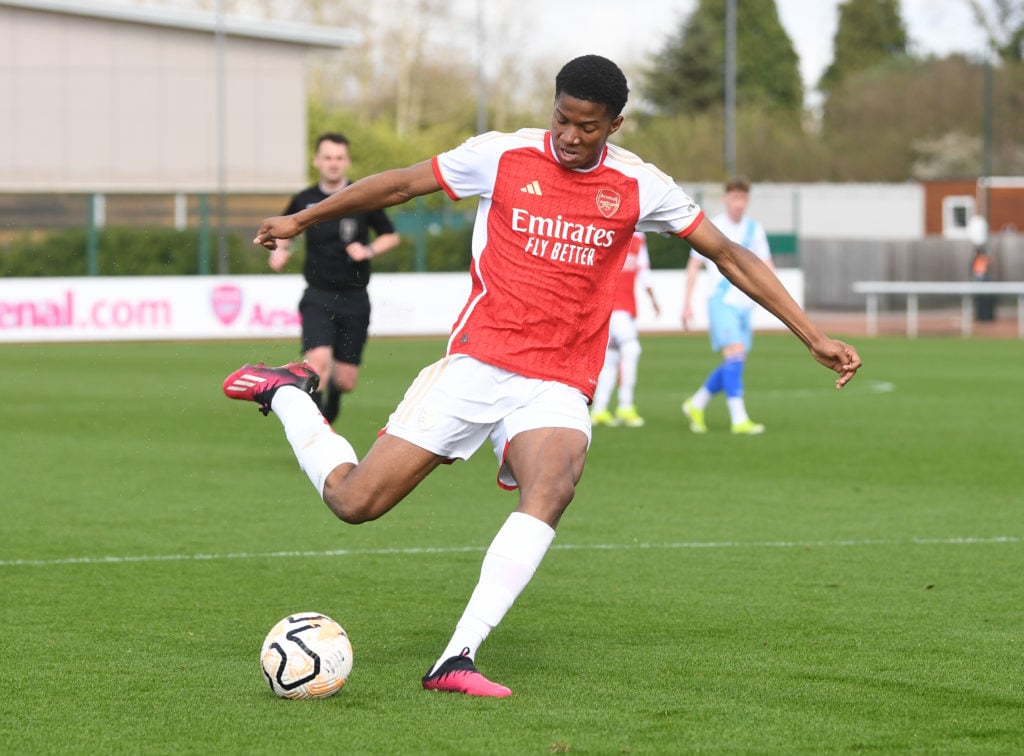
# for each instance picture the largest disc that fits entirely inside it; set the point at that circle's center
(687, 317)
(840, 357)
(278, 227)
(278, 258)
(359, 251)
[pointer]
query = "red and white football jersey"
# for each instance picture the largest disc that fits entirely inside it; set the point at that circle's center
(548, 246)
(636, 269)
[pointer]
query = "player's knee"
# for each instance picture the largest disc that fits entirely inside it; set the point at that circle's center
(354, 515)
(555, 493)
(564, 491)
(345, 385)
(353, 506)
(345, 377)
(351, 510)
(550, 504)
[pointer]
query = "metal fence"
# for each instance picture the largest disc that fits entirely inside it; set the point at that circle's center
(832, 265)
(215, 216)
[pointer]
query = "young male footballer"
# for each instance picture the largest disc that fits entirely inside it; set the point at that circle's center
(730, 314)
(557, 212)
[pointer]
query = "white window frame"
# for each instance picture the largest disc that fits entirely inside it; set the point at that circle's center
(952, 228)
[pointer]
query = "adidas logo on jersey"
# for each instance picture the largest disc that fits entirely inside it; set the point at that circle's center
(533, 188)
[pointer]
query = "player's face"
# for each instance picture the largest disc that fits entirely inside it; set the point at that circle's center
(580, 129)
(735, 204)
(332, 161)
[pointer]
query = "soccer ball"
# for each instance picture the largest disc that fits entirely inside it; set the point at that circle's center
(306, 655)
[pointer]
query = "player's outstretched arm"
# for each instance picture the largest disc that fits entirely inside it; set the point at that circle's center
(753, 276)
(374, 192)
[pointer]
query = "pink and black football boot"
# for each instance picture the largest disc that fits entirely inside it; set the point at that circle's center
(458, 674)
(259, 383)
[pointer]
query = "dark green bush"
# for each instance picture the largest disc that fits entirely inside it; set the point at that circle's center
(122, 252)
(667, 252)
(449, 249)
(161, 251)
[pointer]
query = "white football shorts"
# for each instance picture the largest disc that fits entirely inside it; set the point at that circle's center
(621, 329)
(458, 402)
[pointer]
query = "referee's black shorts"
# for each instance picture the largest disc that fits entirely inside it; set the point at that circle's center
(339, 319)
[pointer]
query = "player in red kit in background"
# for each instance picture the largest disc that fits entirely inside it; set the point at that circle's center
(556, 214)
(623, 354)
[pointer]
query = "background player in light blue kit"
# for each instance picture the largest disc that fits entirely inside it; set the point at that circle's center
(729, 312)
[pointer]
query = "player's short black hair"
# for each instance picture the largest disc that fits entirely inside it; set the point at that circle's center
(595, 79)
(331, 136)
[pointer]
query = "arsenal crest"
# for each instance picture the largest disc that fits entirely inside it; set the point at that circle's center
(227, 303)
(608, 202)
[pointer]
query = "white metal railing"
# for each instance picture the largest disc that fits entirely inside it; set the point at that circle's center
(915, 289)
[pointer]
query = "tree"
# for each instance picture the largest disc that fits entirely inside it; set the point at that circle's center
(877, 133)
(684, 88)
(1003, 22)
(689, 147)
(870, 32)
(872, 126)
(687, 76)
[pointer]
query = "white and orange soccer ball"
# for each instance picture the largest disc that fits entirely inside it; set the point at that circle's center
(306, 655)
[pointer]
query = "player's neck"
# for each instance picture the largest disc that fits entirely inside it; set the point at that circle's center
(333, 186)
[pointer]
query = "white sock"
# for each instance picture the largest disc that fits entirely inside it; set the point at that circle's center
(513, 557)
(737, 409)
(701, 399)
(317, 448)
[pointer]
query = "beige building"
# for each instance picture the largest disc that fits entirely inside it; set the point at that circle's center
(104, 97)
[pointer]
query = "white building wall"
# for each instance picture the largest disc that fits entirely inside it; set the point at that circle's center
(94, 104)
(829, 210)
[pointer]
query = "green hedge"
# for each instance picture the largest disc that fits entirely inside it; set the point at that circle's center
(160, 252)
(167, 252)
(666, 252)
(121, 252)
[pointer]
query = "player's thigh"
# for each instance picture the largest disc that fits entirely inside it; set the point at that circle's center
(725, 325)
(547, 464)
(747, 329)
(740, 338)
(622, 328)
(542, 446)
(387, 474)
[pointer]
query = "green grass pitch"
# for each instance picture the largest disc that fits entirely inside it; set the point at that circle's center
(848, 582)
